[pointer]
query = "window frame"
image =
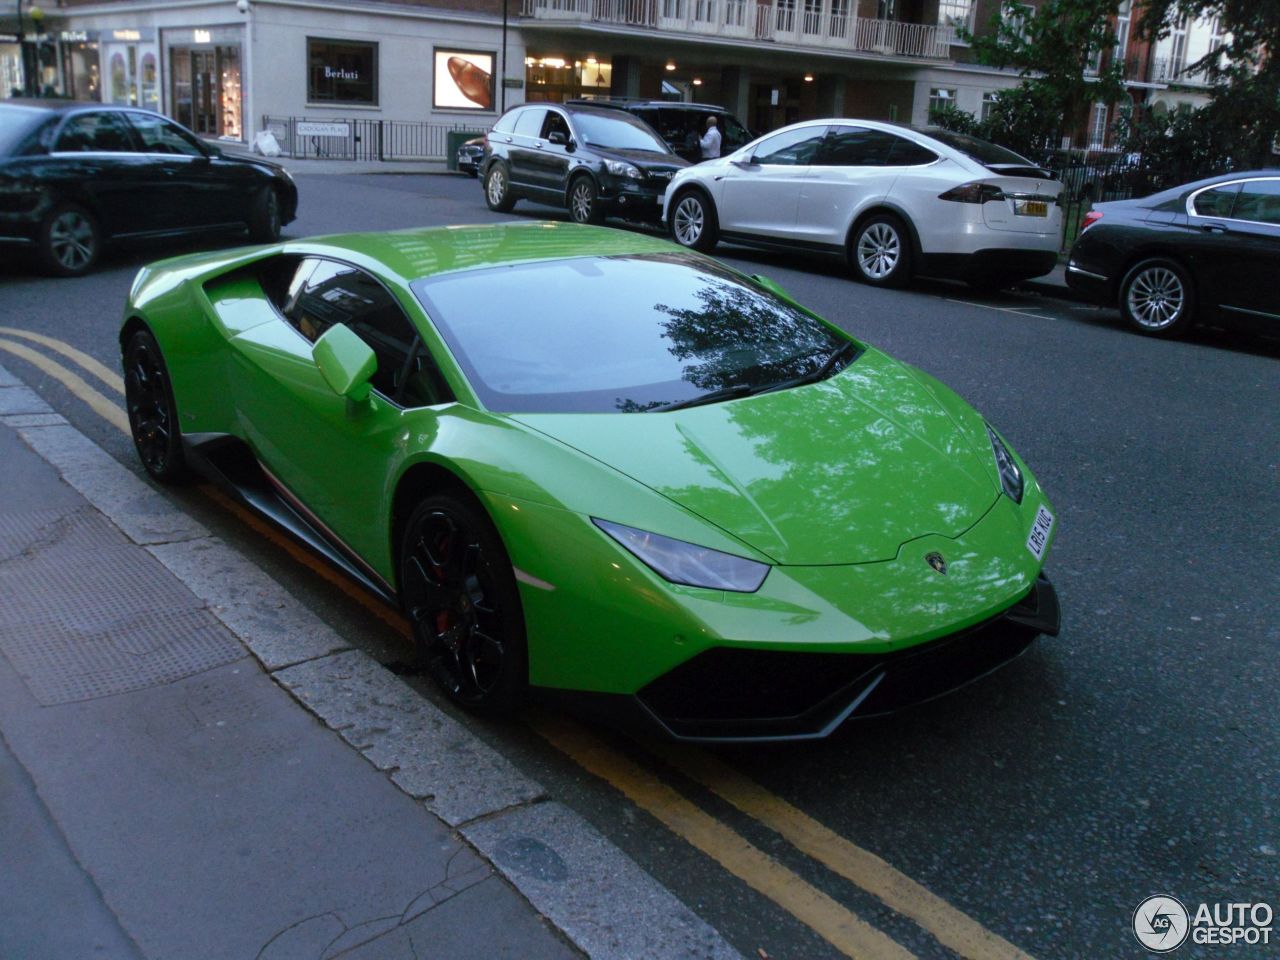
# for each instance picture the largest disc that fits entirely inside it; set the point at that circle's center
(1239, 185)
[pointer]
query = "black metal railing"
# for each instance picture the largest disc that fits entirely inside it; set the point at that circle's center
(1099, 177)
(334, 138)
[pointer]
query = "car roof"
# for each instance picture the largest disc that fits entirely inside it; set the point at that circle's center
(431, 251)
(670, 104)
(57, 106)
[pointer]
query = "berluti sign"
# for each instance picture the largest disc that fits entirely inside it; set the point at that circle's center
(342, 71)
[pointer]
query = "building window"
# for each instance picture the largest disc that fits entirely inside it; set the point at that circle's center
(954, 13)
(1178, 58)
(887, 9)
(1015, 16)
(1121, 50)
(464, 80)
(989, 99)
(1217, 36)
(1098, 127)
(339, 71)
(941, 98)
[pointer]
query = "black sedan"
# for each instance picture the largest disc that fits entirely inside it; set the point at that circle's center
(469, 156)
(74, 176)
(1208, 250)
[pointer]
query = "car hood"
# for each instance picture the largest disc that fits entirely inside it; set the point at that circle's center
(644, 159)
(837, 472)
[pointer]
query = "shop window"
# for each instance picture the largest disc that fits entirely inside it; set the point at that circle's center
(463, 80)
(340, 71)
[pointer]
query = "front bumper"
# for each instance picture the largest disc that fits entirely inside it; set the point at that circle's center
(632, 199)
(744, 695)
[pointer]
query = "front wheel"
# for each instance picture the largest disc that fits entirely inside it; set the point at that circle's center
(459, 592)
(693, 222)
(264, 221)
(497, 189)
(881, 251)
(1156, 298)
(584, 204)
(153, 415)
(69, 241)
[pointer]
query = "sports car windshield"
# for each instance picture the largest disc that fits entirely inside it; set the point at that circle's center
(626, 334)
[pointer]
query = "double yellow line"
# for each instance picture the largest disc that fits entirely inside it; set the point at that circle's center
(828, 918)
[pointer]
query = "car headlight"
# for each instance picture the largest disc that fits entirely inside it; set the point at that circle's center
(1010, 475)
(620, 168)
(688, 563)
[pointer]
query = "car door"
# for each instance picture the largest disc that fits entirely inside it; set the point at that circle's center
(97, 157)
(550, 161)
(331, 455)
(188, 191)
(1253, 233)
(759, 195)
(851, 170)
(1207, 244)
(522, 152)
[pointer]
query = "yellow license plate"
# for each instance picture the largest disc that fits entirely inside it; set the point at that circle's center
(1032, 208)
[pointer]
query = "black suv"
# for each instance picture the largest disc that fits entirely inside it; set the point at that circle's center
(683, 124)
(594, 161)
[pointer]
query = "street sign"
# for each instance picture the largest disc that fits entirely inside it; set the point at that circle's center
(311, 128)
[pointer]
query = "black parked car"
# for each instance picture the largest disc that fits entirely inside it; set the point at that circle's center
(469, 156)
(682, 125)
(1207, 250)
(74, 176)
(594, 161)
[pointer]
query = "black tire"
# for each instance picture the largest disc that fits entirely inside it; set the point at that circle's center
(880, 251)
(264, 219)
(69, 241)
(1157, 298)
(153, 415)
(693, 222)
(497, 188)
(584, 201)
(459, 591)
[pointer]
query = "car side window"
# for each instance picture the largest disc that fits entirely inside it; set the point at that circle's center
(325, 292)
(101, 131)
(529, 123)
(158, 135)
(506, 123)
(735, 134)
(908, 154)
(1216, 202)
(1259, 201)
(793, 148)
(855, 147)
(555, 123)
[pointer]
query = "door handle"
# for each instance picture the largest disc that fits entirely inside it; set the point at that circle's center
(1213, 227)
(538, 145)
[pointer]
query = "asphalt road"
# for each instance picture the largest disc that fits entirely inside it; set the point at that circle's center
(1135, 754)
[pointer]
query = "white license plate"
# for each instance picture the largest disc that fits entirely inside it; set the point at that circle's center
(1038, 538)
(1031, 208)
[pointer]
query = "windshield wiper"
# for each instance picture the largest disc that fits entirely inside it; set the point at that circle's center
(846, 351)
(715, 396)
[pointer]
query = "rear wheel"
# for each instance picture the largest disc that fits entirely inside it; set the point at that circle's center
(1156, 298)
(497, 188)
(69, 241)
(153, 415)
(881, 251)
(584, 201)
(264, 221)
(693, 221)
(459, 592)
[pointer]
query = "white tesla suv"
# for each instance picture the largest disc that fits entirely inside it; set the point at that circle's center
(894, 200)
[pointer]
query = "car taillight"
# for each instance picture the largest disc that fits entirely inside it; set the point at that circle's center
(1090, 218)
(976, 192)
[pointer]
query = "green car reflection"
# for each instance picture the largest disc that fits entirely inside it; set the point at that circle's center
(598, 469)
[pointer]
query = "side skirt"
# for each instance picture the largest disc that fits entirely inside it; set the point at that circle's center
(229, 463)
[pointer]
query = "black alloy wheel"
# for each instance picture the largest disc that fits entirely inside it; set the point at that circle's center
(583, 201)
(459, 592)
(264, 222)
(153, 416)
(497, 188)
(69, 241)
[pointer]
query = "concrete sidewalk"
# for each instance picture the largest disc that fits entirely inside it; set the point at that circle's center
(329, 167)
(193, 766)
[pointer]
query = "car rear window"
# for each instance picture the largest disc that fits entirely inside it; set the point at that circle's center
(618, 334)
(987, 154)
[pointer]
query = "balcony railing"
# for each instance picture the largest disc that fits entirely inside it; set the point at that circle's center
(809, 23)
(1165, 70)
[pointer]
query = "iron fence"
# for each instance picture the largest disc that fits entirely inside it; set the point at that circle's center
(364, 139)
(1094, 178)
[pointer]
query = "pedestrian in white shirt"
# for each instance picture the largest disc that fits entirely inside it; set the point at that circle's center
(710, 141)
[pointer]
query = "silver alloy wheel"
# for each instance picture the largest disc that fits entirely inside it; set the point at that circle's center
(879, 249)
(689, 221)
(580, 201)
(1156, 298)
(497, 186)
(71, 240)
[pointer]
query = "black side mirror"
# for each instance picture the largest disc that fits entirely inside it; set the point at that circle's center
(558, 137)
